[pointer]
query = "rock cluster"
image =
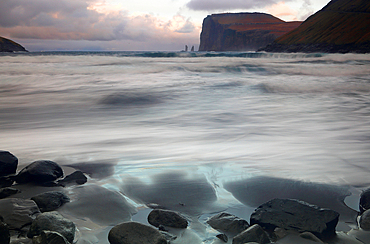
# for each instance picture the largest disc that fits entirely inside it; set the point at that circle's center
(33, 217)
(36, 220)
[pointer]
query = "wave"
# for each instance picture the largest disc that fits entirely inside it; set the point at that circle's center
(130, 99)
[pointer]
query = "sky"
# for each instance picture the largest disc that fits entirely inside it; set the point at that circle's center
(127, 25)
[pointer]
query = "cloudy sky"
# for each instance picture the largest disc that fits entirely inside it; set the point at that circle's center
(125, 25)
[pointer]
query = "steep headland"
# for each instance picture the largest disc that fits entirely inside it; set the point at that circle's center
(241, 31)
(7, 45)
(342, 26)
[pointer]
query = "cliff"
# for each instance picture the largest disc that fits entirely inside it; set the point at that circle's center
(241, 31)
(341, 26)
(7, 45)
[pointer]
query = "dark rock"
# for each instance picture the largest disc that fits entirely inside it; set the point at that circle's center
(8, 163)
(50, 237)
(7, 45)
(52, 221)
(135, 233)
(365, 200)
(296, 215)
(41, 171)
(6, 181)
(365, 220)
(8, 191)
(76, 177)
(167, 218)
(228, 223)
(17, 212)
(4, 232)
(50, 201)
(241, 31)
(254, 233)
(222, 237)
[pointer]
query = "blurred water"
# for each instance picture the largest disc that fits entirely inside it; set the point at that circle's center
(303, 116)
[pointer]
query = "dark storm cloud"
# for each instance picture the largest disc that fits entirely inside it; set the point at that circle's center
(24, 12)
(207, 5)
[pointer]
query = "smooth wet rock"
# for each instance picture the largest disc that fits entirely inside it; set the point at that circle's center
(365, 220)
(167, 218)
(135, 233)
(99, 204)
(17, 212)
(50, 237)
(6, 181)
(76, 178)
(228, 223)
(4, 232)
(296, 215)
(52, 221)
(42, 171)
(8, 163)
(364, 201)
(254, 233)
(50, 201)
(222, 237)
(7, 192)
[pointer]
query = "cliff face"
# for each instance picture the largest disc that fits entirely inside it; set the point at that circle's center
(241, 31)
(7, 45)
(341, 26)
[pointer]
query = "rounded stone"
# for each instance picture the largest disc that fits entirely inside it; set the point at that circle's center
(135, 233)
(52, 221)
(365, 200)
(50, 201)
(8, 163)
(168, 218)
(365, 220)
(41, 171)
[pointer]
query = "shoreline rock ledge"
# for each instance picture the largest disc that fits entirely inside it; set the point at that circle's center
(291, 214)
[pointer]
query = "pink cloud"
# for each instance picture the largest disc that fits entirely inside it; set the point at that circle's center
(282, 10)
(90, 20)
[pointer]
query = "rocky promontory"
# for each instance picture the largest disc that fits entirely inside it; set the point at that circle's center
(342, 26)
(241, 31)
(7, 45)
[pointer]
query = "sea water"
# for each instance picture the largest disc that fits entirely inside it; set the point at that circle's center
(222, 116)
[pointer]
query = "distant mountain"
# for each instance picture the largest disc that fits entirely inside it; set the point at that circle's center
(241, 31)
(7, 45)
(341, 26)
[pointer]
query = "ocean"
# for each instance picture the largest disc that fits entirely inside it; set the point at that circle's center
(224, 117)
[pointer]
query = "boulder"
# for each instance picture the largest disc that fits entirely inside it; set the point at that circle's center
(76, 177)
(52, 221)
(254, 233)
(135, 233)
(8, 163)
(228, 223)
(40, 172)
(365, 220)
(296, 215)
(167, 218)
(222, 237)
(310, 236)
(4, 232)
(6, 181)
(8, 191)
(17, 212)
(365, 200)
(50, 201)
(50, 237)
